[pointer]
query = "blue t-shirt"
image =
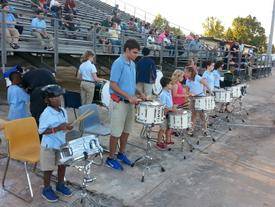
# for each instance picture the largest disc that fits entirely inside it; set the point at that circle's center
(209, 77)
(123, 72)
(18, 100)
(166, 99)
(217, 78)
(195, 86)
(51, 118)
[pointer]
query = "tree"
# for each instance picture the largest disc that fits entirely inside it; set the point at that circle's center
(248, 30)
(160, 22)
(213, 27)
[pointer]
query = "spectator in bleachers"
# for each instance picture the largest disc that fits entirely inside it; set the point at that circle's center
(146, 28)
(116, 19)
(116, 10)
(70, 6)
(195, 45)
(39, 5)
(107, 22)
(104, 40)
(131, 24)
(151, 41)
(162, 36)
(56, 10)
(190, 37)
(114, 38)
(12, 34)
(70, 26)
(39, 31)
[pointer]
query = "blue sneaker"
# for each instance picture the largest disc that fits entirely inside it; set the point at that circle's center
(123, 158)
(113, 164)
(61, 188)
(49, 194)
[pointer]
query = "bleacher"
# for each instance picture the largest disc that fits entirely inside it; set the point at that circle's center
(90, 12)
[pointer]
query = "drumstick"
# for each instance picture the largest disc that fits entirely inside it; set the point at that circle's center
(82, 117)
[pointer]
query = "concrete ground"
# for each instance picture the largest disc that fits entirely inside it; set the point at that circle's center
(238, 170)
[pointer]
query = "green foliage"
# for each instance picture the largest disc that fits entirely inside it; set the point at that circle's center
(161, 23)
(213, 28)
(247, 30)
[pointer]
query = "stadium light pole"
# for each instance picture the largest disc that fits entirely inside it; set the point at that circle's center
(269, 49)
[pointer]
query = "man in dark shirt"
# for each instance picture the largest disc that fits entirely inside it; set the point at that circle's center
(33, 81)
(146, 73)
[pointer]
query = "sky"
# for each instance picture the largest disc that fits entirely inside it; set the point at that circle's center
(191, 14)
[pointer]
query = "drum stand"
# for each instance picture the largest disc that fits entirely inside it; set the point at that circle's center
(184, 139)
(147, 157)
(208, 131)
(85, 200)
(240, 112)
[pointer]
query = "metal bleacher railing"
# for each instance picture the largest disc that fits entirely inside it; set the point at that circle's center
(87, 35)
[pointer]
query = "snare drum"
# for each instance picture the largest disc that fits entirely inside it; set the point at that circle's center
(102, 93)
(150, 113)
(222, 96)
(179, 120)
(236, 91)
(204, 103)
(157, 86)
(74, 150)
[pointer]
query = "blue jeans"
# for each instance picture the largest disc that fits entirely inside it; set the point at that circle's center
(116, 43)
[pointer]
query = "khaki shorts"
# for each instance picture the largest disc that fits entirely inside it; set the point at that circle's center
(48, 159)
(122, 118)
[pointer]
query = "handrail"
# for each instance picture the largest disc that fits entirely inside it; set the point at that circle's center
(146, 16)
(178, 49)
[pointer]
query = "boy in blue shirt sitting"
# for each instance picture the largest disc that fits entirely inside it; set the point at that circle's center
(167, 101)
(52, 125)
(17, 98)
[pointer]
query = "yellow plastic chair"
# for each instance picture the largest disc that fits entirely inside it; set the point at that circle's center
(23, 145)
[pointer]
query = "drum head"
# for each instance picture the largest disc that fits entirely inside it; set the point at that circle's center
(105, 94)
(157, 87)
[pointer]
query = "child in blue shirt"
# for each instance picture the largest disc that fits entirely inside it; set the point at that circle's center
(52, 125)
(196, 85)
(167, 101)
(217, 75)
(18, 99)
(208, 74)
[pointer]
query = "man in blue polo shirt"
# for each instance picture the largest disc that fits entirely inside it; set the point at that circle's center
(12, 34)
(123, 91)
(39, 31)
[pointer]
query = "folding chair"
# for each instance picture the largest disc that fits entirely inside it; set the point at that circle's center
(72, 100)
(92, 124)
(23, 145)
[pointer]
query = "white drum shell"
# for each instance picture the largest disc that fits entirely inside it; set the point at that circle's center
(205, 103)
(179, 120)
(150, 113)
(236, 91)
(223, 96)
(73, 150)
